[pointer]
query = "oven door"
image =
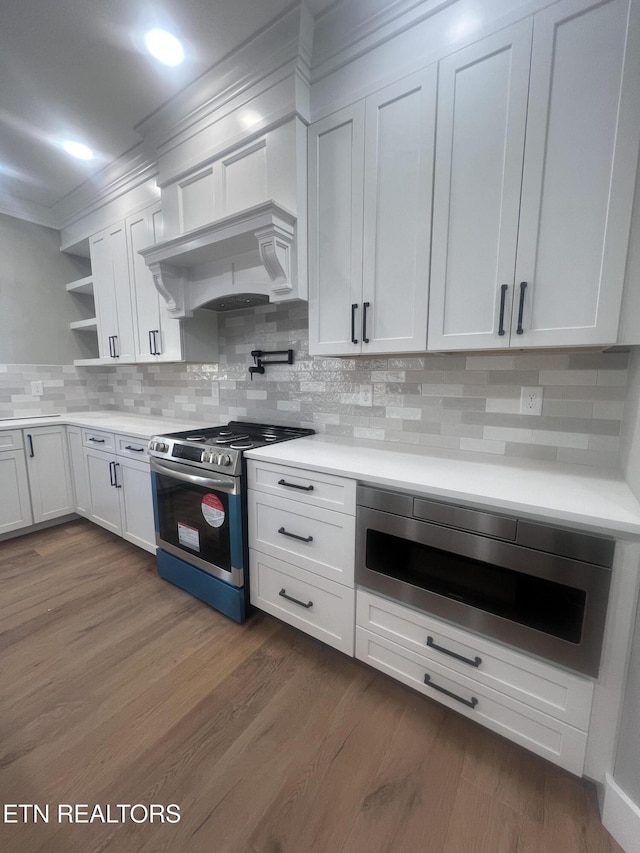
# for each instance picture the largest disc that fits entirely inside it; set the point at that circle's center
(199, 519)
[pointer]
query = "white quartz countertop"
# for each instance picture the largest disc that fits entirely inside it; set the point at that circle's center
(576, 495)
(110, 421)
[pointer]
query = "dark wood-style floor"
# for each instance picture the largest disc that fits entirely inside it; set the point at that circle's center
(117, 687)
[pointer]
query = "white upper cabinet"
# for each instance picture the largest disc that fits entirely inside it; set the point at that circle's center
(370, 192)
(157, 336)
(535, 162)
(112, 292)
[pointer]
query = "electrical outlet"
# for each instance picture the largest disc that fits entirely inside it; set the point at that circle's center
(37, 389)
(531, 400)
(366, 395)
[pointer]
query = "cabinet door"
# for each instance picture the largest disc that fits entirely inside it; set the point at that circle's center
(157, 336)
(398, 188)
(482, 110)
(579, 170)
(336, 160)
(77, 467)
(15, 506)
(136, 502)
(104, 497)
(112, 291)
(49, 476)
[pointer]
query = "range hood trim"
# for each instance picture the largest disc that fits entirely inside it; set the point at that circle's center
(267, 228)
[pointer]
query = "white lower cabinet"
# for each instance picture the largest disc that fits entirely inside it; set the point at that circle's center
(15, 506)
(301, 556)
(319, 607)
(541, 707)
(113, 483)
(48, 470)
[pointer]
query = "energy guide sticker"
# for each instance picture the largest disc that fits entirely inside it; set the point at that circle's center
(188, 536)
(213, 510)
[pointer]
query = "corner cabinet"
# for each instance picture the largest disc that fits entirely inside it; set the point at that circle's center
(536, 152)
(370, 190)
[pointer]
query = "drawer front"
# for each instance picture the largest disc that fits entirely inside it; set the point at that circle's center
(308, 487)
(99, 440)
(10, 439)
(553, 691)
(133, 448)
(316, 539)
(544, 735)
(321, 608)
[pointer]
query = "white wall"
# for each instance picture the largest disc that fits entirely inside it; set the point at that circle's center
(35, 311)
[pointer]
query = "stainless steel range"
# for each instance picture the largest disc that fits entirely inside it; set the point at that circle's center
(199, 495)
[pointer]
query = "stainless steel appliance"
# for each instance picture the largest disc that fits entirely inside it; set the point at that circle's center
(535, 586)
(199, 495)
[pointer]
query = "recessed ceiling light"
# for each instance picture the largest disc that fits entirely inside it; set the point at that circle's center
(78, 149)
(165, 47)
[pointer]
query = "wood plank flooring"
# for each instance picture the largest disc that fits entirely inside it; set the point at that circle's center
(118, 688)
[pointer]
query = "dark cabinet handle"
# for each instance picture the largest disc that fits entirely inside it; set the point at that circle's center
(153, 341)
(283, 594)
(31, 453)
(470, 703)
(365, 339)
(295, 486)
(472, 662)
(111, 353)
(135, 449)
(97, 440)
(295, 535)
(354, 340)
(523, 288)
(112, 473)
(503, 294)
(115, 347)
(151, 346)
(116, 465)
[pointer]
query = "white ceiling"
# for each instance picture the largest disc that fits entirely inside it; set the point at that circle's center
(74, 69)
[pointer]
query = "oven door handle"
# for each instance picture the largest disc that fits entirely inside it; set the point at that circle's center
(229, 485)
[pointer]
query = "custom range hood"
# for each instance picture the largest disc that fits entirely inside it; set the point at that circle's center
(239, 261)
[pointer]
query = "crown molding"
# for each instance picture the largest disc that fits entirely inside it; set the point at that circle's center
(27, 211)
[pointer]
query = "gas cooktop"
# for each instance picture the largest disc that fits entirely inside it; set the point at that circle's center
(221, 448)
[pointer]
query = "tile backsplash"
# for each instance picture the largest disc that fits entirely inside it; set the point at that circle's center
(454, 401)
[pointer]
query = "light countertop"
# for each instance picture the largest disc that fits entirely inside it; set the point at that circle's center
(110, 421)
(572, 494)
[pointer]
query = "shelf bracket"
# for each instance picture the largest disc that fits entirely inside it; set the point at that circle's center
(275, 246)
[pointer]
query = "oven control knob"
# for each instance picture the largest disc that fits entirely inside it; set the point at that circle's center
(225, 459)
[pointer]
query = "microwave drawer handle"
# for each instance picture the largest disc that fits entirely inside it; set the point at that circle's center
(283, 594)
(470, 703)
(295, 486)
(476, 661)
(295, 535)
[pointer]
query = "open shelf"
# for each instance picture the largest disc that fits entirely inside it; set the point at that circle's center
(88, 325)
(81, 285)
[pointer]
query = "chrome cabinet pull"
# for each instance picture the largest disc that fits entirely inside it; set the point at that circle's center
(470, 703)
(523, 288)
(295, 535)
(295, 486)
(472, 662)
(503, 294)
(283, 594)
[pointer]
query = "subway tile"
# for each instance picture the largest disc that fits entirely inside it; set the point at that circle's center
(568, 377)
(482, 446)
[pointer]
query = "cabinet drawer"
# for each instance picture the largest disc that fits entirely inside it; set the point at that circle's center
(544, 735)
(10, 439)
(134, 448)
(554, 691)
(322, 608)
(98, 439)
(316, 539)
(308, 487)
